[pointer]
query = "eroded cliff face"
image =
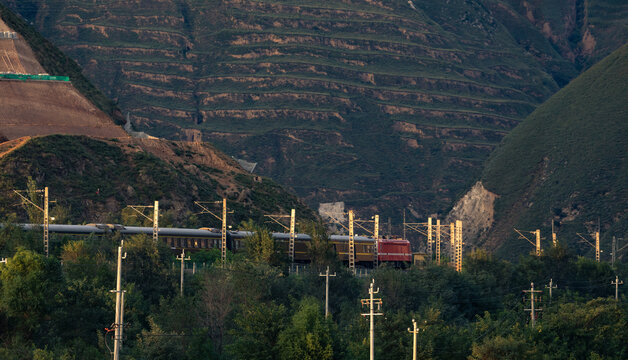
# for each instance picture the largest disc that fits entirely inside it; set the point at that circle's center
(476, 211)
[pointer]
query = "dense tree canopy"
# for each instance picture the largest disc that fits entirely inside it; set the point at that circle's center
(253, 308)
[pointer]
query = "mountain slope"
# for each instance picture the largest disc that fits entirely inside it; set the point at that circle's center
(566, 162)
(378, 103)
(34, 103)
(93, 180)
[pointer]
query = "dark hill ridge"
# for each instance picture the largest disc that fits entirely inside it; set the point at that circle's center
(378, 103)
(96, 179)
(566, 162)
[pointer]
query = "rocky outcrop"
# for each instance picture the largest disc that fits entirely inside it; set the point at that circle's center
(476, 210)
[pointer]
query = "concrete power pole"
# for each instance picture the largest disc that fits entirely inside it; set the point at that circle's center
(327, 275)
(414, 332)
(351, 243)
(118, 325)
(617, 283)
(550, 287)
(183, 260)
(371, 302)
(532, 309)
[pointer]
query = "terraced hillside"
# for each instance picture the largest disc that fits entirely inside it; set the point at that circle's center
(93, 180)
(378, 103)
(567, 163)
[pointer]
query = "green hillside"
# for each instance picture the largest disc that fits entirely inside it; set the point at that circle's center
(567, 162)
(381, 104)
(93, 180)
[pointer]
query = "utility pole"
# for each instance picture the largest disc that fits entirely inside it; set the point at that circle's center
(292, 231)
(183, 260)
(371, 302)
(430, 247)
(554, 239)
(452, 242)
(119, 309)
(532, 309)
(438, 241)
(155, 219)
(414, 331)
(458, 245)
(550, 287)
(44, 209)
(223, 234)
(595, 245)
(327, 275)
(376, 241)
(617, 283)
(614, 254)
(351, 243)
(537, 235)
(156, 222)
(46, 221)
(223, 220)
(404, 225)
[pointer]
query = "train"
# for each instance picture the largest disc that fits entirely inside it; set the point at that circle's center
(396, 252)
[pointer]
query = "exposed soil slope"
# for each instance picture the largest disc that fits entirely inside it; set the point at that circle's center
(30, 107)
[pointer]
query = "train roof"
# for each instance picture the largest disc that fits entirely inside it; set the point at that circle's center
(203, 232)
